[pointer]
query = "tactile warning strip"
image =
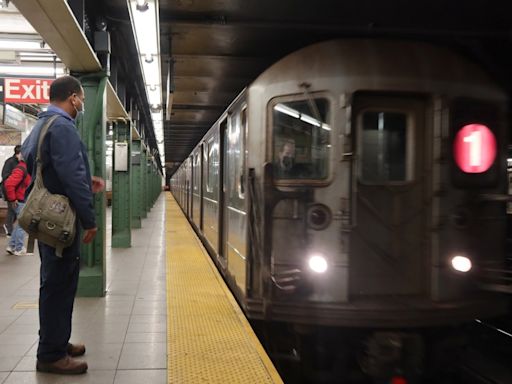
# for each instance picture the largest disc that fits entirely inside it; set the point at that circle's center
(209, 338)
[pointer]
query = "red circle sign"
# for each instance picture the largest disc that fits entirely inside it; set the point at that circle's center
(474, 148)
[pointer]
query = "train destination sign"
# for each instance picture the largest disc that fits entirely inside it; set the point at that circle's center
(474, 148)
(25, 90)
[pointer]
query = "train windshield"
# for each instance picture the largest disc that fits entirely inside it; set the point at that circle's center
(301, 139)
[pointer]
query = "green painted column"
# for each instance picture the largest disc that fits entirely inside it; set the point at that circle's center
(158, 185)
(148, 182)
(153, 185)
(137, 183)
(144, 178)
(121, 182)
(92, 129)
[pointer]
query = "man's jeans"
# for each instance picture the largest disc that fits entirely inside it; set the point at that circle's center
(18, 234)
(11, 217)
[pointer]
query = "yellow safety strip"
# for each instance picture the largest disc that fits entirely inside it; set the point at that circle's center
(209, 340)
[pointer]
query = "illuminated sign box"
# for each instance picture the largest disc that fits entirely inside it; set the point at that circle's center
(25, 90)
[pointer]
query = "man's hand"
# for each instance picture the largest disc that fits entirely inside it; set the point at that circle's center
(98, 184)
(89, 235)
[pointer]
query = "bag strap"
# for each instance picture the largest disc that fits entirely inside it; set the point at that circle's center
(39, 163)
(30, 243)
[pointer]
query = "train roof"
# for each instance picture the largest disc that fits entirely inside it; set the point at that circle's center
(381, 64)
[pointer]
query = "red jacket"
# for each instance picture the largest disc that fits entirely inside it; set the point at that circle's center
(15, 187)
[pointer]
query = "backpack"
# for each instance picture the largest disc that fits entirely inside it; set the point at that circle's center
(47, 217)
(2, 186)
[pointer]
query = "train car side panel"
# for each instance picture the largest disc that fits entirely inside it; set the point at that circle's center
(211, 158)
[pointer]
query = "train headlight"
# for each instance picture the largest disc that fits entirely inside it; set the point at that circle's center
(461, 263)
(318, 263)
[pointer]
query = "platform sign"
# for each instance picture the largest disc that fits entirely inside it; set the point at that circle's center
(25, 90)
(474, 148)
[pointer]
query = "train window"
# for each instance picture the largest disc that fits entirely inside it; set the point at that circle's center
(197, 169)
(383, 147)
(301, 139)
(212, 173)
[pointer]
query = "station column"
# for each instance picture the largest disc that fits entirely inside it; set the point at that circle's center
(144, 178)
(92, 129)
(136, 184)
(121, 177)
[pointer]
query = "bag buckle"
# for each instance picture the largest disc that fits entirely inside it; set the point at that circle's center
(33, 226)
(64, 236)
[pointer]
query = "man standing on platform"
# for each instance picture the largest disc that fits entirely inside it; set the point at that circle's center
(65, 169)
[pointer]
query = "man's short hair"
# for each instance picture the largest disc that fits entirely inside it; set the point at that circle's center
(17, 149)
(63, 87)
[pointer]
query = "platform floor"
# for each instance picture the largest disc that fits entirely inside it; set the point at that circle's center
(124, 332)
(167, 316)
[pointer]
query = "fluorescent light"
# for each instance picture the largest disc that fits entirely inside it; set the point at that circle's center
(156, 116)
(144, 17)
(39, 59)
(287, 110)
(20, 44)
(145, 24)
(151, 72)
(155, 96)
(310, 120)
(22, 70)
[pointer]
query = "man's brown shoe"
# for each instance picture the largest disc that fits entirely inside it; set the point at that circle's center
(75, 350)
(65, 366)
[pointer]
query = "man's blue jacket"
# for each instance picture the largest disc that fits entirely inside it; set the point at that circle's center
(65, 165)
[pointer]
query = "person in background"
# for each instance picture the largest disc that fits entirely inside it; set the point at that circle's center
(286, 160)
(8, 167)
(15, 188)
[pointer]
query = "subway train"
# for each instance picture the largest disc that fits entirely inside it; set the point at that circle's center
(359, 185)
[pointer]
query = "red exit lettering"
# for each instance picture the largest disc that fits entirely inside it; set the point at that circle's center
(27, 91)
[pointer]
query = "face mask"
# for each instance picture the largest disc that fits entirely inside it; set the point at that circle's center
(287, 162)
(79, 111)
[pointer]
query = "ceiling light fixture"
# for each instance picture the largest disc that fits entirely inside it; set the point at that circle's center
(145, 23)
(142, 5)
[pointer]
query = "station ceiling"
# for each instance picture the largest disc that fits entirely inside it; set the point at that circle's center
(217, 47)
(212, 49)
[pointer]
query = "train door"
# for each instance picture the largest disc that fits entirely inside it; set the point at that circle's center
(196, 187)
(187, 170)
(222, 189)
(191, 189)
(200, 185)
(211, 189)
(388, 244)
(235, 215)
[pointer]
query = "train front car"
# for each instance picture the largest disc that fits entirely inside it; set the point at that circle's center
(376, 170)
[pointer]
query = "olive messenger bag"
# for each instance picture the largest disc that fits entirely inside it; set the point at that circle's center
(47, 217)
